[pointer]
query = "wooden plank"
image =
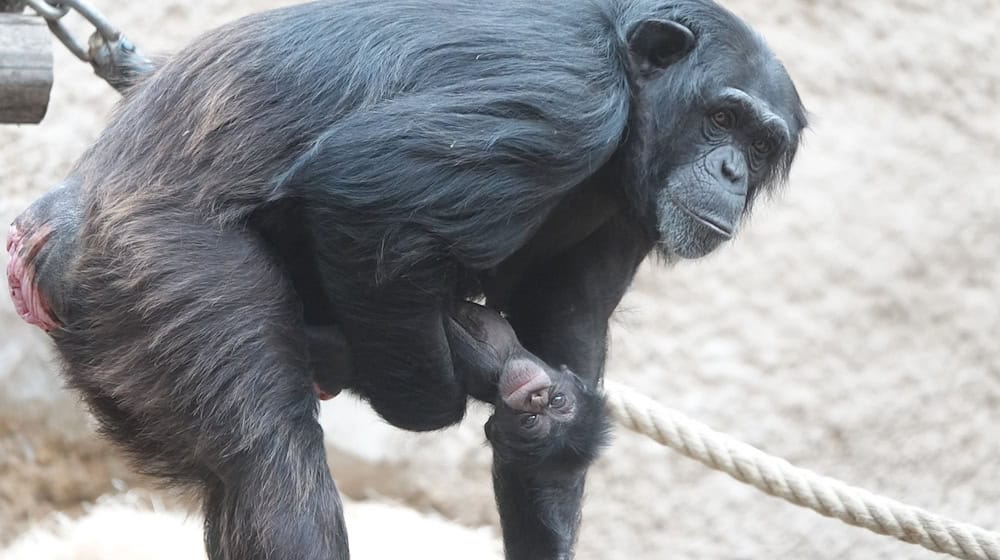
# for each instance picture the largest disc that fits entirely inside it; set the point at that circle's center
(25, 68)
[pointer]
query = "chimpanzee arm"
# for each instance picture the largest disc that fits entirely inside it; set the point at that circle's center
(561, 312)
(561, 308)
(480, 356)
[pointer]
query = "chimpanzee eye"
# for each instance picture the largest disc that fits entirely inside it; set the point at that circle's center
(529, 420)
(763, 146)
(558, 400)
(724, 119)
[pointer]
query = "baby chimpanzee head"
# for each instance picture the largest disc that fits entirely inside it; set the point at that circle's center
(547, 418)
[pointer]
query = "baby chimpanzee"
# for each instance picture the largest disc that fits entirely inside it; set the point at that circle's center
(547, 421)
(544, 417)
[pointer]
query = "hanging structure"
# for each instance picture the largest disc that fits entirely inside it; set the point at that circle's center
(25, 65)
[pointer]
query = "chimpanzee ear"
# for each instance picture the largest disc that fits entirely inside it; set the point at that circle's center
(658, 43)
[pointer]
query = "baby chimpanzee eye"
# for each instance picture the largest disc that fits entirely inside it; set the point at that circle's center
(529, 420)
(558, 400)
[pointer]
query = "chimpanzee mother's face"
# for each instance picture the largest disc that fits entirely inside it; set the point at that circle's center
(724, 126)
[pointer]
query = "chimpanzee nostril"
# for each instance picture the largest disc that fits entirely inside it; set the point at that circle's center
(729, 171)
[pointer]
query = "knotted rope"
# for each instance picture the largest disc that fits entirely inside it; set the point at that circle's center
(799, 486)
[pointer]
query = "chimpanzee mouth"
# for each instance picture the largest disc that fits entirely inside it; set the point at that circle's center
(520, 382)
(724, 231)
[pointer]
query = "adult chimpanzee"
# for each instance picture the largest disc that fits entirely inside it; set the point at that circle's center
(370, 164)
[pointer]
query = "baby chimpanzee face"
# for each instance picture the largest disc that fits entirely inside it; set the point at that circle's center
(546, 417)
(536, 399)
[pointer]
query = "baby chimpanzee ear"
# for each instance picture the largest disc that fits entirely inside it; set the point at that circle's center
(656, 43)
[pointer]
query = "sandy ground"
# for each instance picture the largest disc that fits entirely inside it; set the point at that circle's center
(124, 527)
(851, 329)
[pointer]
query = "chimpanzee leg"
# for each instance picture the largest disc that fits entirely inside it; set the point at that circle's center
(560, 313)
(186, 340)
(330, 359)
(402, 361)
(397, 336)
(479, 360)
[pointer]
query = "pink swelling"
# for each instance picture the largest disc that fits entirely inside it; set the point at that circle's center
(28, 300)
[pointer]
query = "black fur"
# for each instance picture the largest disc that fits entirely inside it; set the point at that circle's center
(369, 164)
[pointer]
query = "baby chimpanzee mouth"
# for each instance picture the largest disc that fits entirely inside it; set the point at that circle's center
(24, 292)
(520, 383)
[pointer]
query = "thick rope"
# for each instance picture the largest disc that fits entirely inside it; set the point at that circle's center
(799, 486)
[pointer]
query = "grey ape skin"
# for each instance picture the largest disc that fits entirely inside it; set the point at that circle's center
(369, 165)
